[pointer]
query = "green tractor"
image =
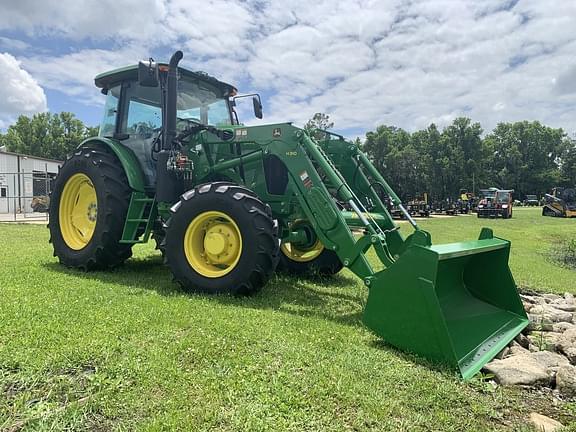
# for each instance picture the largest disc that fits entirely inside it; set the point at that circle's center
(228, 205)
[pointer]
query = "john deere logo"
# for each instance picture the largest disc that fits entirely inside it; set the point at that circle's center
(276, 132)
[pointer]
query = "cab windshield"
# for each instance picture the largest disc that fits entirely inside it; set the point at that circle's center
(489, 194)
(201, 102)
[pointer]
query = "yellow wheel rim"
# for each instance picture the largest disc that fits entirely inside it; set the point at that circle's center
(296, 253)
(78, 211)
(213, 244)
(300, 253)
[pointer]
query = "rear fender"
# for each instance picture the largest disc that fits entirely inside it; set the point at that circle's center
(125, 156)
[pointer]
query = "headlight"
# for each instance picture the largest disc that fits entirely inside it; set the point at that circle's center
(504, 206)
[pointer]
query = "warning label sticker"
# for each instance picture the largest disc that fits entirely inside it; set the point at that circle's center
(241, 133)
(306, 179)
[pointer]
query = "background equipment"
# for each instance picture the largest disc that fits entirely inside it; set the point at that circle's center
(419, 206)
(446, 206)
(531, 201)
(228, 205)
(495, 203)
(560, 203)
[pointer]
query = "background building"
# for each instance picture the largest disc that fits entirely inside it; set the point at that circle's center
(25, 182)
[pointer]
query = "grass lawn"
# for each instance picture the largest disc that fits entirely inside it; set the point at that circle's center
(532, 236)
(129, 350)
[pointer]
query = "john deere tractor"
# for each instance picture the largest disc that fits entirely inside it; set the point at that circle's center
(228, 205)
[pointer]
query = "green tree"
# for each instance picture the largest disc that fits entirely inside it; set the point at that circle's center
(318, 121)
(46, 135)
(393, 154)
(568, 164)
(462, 154)
(525, 156)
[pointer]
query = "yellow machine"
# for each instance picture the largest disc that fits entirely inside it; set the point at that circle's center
(560, 203)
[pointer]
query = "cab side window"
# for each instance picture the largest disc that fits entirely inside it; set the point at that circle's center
(143, 114)
(141, 123)
(108, 124)
(143, 119)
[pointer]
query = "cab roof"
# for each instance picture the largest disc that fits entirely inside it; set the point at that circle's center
(110, 78)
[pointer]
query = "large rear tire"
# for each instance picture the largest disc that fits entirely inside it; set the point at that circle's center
(221, 239)
(88, 210)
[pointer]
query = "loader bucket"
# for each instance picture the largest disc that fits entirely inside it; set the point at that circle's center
(455, 304)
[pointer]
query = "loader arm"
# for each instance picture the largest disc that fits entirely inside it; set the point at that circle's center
(306, 161)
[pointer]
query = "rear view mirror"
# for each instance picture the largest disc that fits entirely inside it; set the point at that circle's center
(257, 106)
(256, 102)
(148, 74)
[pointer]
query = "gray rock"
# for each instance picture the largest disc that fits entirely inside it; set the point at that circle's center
(544, 424)
(546, 341)
(503, 353)
(516, 349)
(533, 299)
(571, 354)
(520, 369)
(527, 298)
(539, 322)
(561, 327)
(550, 361)
(568, 338)
(565, 306)
(533, 348)
(522, 340)
(566, 380)
(569, 297)
(567, 344)
(550, 297)
(549, 312)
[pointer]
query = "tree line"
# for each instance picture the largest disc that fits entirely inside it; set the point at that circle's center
(48, 135)
(528, 157)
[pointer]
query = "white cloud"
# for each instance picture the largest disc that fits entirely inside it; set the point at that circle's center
(19, 92)
(73, 74)
(77, 19)
(214, 28)
(438, 60)
(13, 44)
(364, 62)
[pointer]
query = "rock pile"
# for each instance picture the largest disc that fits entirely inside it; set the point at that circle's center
(545, 354)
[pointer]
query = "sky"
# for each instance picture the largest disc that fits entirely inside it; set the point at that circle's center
(365, 63)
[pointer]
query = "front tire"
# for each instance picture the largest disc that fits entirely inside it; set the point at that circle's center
(221, 239)
(88, 210)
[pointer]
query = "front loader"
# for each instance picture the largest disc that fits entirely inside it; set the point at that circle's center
(228, 205)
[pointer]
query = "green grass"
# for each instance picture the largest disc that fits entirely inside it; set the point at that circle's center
(127, 349)
(533, 239)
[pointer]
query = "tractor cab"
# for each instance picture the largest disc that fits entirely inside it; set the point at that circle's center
(133, 110)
